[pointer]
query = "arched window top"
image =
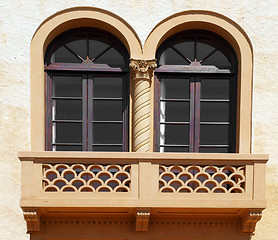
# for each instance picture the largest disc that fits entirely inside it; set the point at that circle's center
(87, 48)
(197, 48)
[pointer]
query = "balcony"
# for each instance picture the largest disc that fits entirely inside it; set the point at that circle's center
(143, 185)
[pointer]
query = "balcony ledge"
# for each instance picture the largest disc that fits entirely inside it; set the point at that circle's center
(144, 185)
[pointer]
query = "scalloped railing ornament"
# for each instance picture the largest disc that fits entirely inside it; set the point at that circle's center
(86, 178)
(202, 179)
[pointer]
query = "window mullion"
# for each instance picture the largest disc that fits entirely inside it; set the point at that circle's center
(49, 114)
(125, 114)
(90, 113)
(197, 114)
(84, 112)
(192, 115)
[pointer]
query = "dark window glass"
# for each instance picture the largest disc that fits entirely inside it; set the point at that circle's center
(175, 134)
(67, 109)
(63, 55)
(213, 149)
(106, 110)
(107, 87)
(67, 148)
(174, 88)
(174, 149)
(176, 111)
(215, 88)
(214, 134)
(214, 111)
(108, 133)
(67, 86)
(107, 148)
(68, 133)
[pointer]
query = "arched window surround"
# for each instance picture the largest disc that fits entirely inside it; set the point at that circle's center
(51, 28)
(237, 38)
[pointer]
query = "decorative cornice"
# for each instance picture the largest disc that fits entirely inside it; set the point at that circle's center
(32, 219)
(142, 220)
(82, 221)
(249, 221)
(218, 223)
(140, 215)
(142, 68)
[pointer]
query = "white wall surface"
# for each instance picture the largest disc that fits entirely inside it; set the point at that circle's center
(19, 20)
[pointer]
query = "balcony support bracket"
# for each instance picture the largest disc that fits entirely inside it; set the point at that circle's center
(249, 221)
(142, 220)
(32, 218)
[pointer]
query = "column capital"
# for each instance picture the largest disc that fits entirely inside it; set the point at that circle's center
(142, 68)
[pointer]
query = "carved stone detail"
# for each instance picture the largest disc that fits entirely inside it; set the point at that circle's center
(199, 179)
(141, 72)
(32, 219)
(249, 221)
(142, 68)
(86, 178)
(142, 220)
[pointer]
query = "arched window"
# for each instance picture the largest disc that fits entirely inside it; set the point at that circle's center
(87, 89)
(197, 92)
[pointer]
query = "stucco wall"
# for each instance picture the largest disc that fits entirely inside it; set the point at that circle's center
(19, 20)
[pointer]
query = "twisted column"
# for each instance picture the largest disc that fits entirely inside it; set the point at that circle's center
(141, 73)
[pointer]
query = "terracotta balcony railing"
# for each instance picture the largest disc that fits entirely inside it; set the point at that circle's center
(144, 183)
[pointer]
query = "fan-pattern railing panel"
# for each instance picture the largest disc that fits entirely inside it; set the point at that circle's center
(202, 179)
(86, 178)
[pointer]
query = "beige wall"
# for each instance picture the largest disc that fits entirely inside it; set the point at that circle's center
(19, 20)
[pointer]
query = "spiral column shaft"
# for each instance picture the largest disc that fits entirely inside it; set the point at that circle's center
(141, 73)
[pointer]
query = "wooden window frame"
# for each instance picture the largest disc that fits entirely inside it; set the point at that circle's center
(195, 70)
(88, 71)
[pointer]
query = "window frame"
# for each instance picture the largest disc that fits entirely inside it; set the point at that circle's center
(194, 70)
(85, 70)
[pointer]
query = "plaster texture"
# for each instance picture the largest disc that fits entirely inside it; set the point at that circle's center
(19, 19)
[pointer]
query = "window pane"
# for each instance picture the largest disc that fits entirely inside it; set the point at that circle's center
(108, 133)
(67, 132)
(107, 110)
(175, 88)
(112, 58)
(175, 111)
(67, 148)
(79, 47)
(215, 88)
(67, 86)
(67, 109)
(174, 134)
(63, 55)
(214, 134)
(107, 87)
(107, 148)
(218, 59)
(214, 111)
(186, 48)
(213, 150)
(96, 47)
(204, 48)
(174, 149)
(171, 57)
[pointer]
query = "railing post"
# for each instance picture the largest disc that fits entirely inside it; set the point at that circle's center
(27, 181)
(148, 180)
(259, 181)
